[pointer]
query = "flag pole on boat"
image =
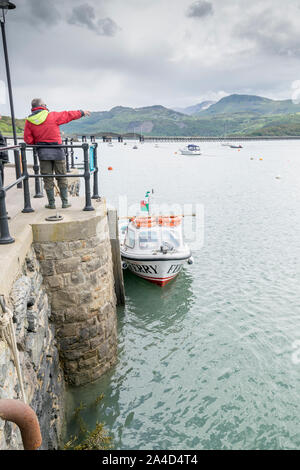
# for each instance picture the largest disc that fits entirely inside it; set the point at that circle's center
(146, 203)
(149, 201)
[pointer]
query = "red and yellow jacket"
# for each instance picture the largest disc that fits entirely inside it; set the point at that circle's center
(43, 126)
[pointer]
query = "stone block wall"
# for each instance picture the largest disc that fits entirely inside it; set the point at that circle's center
(42, 374)
(79, 281)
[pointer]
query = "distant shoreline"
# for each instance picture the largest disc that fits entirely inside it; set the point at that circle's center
(234, 138)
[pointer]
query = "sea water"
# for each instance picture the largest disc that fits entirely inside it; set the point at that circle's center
(211, 361)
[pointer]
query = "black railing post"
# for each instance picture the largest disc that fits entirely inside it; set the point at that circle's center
(84, 139)
(72, 155)
(96, 174)
(27, 203)
(36, 168)
(5, 237)
(87, 178)
(66, 141)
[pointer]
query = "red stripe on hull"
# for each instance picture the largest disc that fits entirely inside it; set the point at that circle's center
(158, 281)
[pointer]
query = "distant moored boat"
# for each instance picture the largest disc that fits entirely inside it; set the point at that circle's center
(191, 149)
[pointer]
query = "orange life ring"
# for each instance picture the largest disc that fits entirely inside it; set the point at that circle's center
(170, 220)
(145, 221)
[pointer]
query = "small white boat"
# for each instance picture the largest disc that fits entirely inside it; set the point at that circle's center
(152, 247)
(191, 149)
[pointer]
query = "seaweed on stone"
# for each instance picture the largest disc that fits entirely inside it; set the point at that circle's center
(96, 439)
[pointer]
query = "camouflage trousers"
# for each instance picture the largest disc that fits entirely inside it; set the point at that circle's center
(49, 167)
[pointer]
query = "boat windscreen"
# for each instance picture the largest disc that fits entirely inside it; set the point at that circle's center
(193, 147)
(172, 236)
(149, 239)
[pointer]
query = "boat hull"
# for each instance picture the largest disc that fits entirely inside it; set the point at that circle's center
(159, 272)
(186, 152)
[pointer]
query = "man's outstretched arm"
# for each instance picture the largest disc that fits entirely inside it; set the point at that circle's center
(64, 117)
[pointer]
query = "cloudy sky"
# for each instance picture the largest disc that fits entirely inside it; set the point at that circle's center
(96, 54)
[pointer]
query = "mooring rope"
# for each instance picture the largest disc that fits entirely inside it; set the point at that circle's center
(7, 334)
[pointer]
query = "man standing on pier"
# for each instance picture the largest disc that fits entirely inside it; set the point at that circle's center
(42, 128)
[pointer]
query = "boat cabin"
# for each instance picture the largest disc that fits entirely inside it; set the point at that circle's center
(154, 234)
(193, 147)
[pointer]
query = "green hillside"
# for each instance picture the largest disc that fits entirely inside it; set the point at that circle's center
(6, 127)
(278, 125)
(251, 124)
(153, 120)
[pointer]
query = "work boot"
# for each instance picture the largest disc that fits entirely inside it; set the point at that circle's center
(64, 198)
(51, 199)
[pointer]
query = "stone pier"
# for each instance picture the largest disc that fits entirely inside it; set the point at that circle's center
(57, 278)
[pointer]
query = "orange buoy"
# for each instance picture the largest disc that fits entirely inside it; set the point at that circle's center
(110, 168)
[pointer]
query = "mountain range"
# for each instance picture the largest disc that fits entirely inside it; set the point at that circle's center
(233, 115)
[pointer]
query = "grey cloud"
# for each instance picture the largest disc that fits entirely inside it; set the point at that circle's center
(44, 11)
(270, 34)
(84, 15)
(107, 27)
(200, 9)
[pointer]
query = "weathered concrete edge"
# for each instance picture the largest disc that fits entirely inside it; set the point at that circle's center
(67, 231)
(12, 258)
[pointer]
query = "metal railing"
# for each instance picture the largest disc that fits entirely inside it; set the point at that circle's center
(90, 167)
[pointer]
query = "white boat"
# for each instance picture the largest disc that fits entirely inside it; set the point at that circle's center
(191, 149)
(152, 247)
